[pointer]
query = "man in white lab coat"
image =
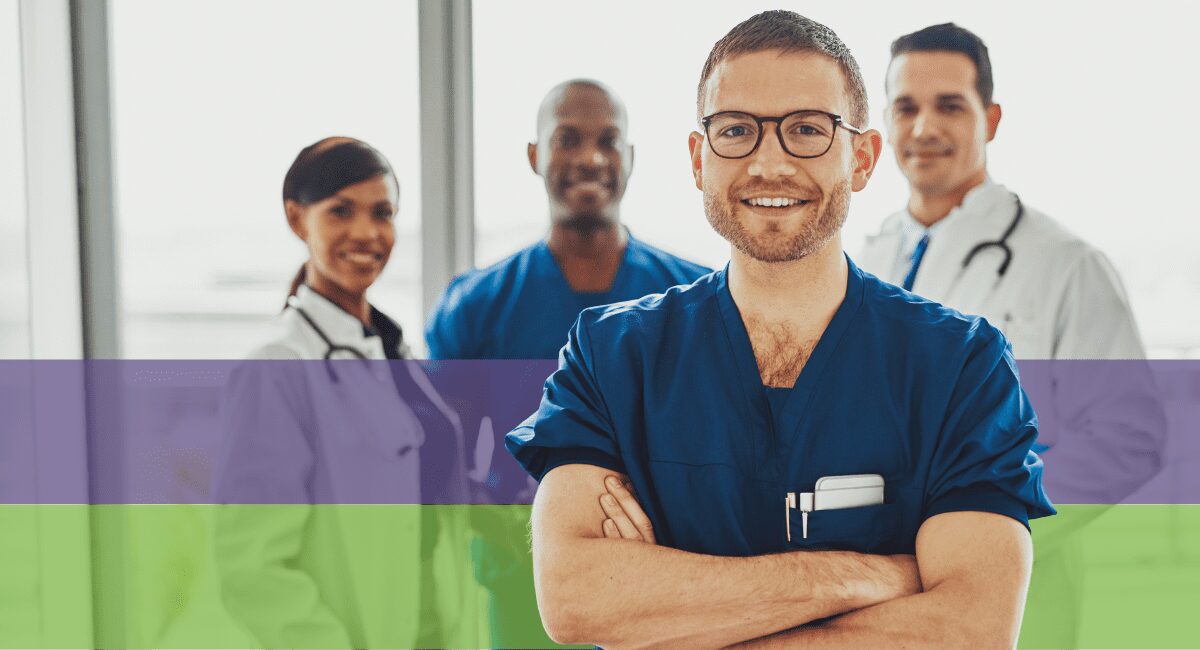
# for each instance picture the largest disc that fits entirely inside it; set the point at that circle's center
(968, 242)
(1057, 297)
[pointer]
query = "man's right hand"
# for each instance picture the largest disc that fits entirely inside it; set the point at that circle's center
(625, 517)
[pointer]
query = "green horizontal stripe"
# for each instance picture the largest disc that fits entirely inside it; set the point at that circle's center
(354, 576)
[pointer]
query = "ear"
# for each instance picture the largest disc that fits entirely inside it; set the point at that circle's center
(531, 151)
(867, 148)
(993, 120)
(696, 147)
(631, 158)
(295, 219)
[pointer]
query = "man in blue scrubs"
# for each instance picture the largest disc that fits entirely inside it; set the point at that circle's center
(523, 306)
(716, 401)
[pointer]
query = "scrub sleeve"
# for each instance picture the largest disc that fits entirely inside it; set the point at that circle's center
(572, 423)
(982, 461)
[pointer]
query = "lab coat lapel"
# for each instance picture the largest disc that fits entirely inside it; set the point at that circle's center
(942, 270)
(339, 326)
(879, 255)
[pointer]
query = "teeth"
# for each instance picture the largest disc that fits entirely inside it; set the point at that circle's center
(773, 202)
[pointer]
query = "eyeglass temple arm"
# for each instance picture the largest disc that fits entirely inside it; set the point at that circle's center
(849, 127)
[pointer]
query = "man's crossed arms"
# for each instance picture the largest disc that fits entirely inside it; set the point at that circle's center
(601, 578)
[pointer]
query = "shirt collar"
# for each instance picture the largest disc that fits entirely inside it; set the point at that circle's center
(337, 324)
(978, 196)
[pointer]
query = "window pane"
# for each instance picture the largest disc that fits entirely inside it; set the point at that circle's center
(1047, 147)
(14, 275)
(212, 101)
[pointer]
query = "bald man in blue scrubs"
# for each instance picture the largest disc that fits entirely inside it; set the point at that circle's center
(679, 429)
(523, 306)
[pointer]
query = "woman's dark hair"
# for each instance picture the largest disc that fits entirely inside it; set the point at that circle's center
(323, 168)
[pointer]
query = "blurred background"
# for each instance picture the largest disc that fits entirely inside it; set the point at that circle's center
(145, 144)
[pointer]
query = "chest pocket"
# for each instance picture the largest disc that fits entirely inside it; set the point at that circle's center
(1020, 327)
(867, 529)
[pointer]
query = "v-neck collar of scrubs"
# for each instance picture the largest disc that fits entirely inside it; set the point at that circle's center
(554, 272)
(795, 404)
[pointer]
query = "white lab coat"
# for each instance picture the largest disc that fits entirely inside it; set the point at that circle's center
(290, 337)
(346, 576)
(1060, 299)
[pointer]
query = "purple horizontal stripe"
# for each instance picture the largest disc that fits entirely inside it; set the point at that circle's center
(159, 432)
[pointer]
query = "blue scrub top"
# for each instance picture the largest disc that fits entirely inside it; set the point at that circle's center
(523, 308)
(666, 390)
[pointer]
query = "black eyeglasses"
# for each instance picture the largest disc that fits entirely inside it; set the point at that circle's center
(803, 134)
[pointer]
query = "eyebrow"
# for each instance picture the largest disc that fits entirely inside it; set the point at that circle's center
(944, 97)
(581, 128)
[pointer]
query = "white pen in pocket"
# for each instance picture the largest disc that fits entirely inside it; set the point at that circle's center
(805, 504)
(833, 493)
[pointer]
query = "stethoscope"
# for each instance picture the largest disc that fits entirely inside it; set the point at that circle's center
(331, 348)
(1001, 243)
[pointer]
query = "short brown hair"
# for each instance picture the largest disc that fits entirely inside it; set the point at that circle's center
(792, 33)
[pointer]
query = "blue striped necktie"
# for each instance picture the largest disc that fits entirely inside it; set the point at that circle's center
(917, 254)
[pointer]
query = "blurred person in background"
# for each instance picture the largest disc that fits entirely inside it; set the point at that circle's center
(970, 243)
(523, 306)
(319, 418)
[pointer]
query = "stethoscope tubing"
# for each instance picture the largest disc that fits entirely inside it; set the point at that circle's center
(330, 346)
(1001, 243)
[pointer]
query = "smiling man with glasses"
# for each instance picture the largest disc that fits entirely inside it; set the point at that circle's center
(789, 450)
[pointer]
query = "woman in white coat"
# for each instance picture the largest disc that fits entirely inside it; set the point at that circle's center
(327, 414)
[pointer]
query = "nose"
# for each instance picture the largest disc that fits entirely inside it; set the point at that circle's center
(921, 124)
(364, 227)
(771, 161)
(592, 156)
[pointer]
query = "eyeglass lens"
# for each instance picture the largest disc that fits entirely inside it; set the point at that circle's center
(804, 134)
